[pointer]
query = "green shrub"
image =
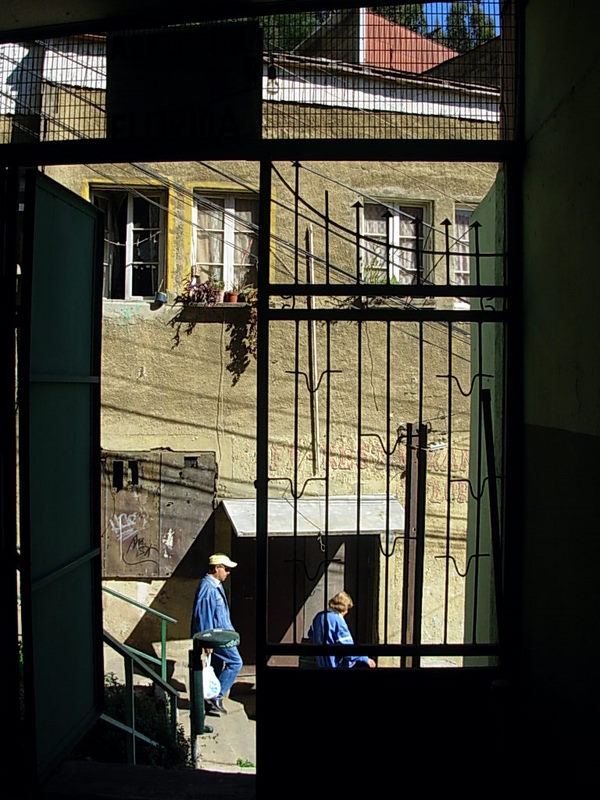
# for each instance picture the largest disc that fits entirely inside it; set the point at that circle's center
(108, 744)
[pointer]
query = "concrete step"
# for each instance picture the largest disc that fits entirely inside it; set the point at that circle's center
(231, 746)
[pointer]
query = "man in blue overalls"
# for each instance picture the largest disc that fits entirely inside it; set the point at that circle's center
(211, 610)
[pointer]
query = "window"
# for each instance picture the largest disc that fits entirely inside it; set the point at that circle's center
(134, 241)
(394, 237)
(225, 243)
(462, 261)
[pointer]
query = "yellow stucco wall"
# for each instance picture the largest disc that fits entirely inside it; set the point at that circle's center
(168, 379)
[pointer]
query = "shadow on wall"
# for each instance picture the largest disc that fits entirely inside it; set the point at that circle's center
(176, 596)
(239, 319)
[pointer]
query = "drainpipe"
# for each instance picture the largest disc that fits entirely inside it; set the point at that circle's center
(312, 356)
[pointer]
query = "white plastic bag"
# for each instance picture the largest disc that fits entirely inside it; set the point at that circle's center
(211, 685)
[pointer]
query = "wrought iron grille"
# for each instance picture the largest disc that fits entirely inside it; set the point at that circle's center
(382, 72)
(381, 399)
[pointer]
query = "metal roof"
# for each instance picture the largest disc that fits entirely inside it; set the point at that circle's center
(310, 515)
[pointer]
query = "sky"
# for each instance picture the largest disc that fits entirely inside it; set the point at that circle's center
(439, 11)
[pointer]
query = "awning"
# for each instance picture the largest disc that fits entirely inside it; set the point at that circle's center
(310, 516)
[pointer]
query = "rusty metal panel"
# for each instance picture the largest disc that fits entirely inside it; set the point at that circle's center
(131, 495)
(154, 505)
(186, 503)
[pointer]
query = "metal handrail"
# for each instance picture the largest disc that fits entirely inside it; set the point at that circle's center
(131, 660)
(164, 618)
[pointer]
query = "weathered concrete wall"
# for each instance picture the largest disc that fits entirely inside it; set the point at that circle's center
(171, 378)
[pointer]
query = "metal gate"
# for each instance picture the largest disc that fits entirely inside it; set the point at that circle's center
(380, 407)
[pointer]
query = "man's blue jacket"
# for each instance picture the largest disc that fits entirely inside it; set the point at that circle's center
(210, 607)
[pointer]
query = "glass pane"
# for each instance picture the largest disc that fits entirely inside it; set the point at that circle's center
(246, 249)
(408, 223)
(144, 280)
(207, 272)
(210, 213)
(114, 206)
(209, 248)
(146, 213)
(244, 276)
(246, 240)
(406, 265)
(145, 247)
(375, 220)
(462, 265)
(246, 211)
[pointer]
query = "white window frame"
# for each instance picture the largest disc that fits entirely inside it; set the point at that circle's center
(229, 231)
(398, 209)
(461, 246)
(155, 196)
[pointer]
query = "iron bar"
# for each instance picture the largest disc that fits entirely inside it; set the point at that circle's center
(478, 481)
(56, 574)
(307, 378)
(130, 710)
(477, 377)
(296, 222)
(137, 604)
(312, 360)
(152, 149)
(388, 246)
(475, 227)
(262, 420)
(327, 262)
(383, 314)
(486, 402)
(295, 480)
(163, 649)
(420, 535)
(409, 560)
(446, 223)
(387, 479)
(358, 464)
(419, 250)
(293, 492)
(423, 289)
(357, 217)
(388, 451)
(327, 464)
(448, 485)
(414, 651)
(421, 374)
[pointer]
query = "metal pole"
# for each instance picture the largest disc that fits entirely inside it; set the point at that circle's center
(197, 716)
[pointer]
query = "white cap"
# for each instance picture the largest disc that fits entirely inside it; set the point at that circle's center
(221, 558)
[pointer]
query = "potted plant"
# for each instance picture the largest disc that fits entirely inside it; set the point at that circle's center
(199, 292)
(220, 292)
(232, 295)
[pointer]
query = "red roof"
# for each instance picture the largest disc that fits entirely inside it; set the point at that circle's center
(389, 45)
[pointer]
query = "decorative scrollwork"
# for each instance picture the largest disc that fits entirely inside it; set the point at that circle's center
(306, 377)
(289, 480)
(469, 562)
(479, 375)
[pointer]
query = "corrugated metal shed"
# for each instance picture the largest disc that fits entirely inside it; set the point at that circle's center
(311, 516)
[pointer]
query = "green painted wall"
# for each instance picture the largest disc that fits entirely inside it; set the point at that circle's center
(561, 352)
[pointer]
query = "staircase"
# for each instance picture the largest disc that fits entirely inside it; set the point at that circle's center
(226, 757)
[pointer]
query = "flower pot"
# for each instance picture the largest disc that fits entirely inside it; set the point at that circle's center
(231, 297)
(220, 295)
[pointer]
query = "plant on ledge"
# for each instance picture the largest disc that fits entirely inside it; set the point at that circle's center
(196, 292)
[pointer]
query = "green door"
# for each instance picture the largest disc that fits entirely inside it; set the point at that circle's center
(59, 403)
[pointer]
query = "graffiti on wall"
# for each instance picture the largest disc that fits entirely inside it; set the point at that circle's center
(154, 505)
